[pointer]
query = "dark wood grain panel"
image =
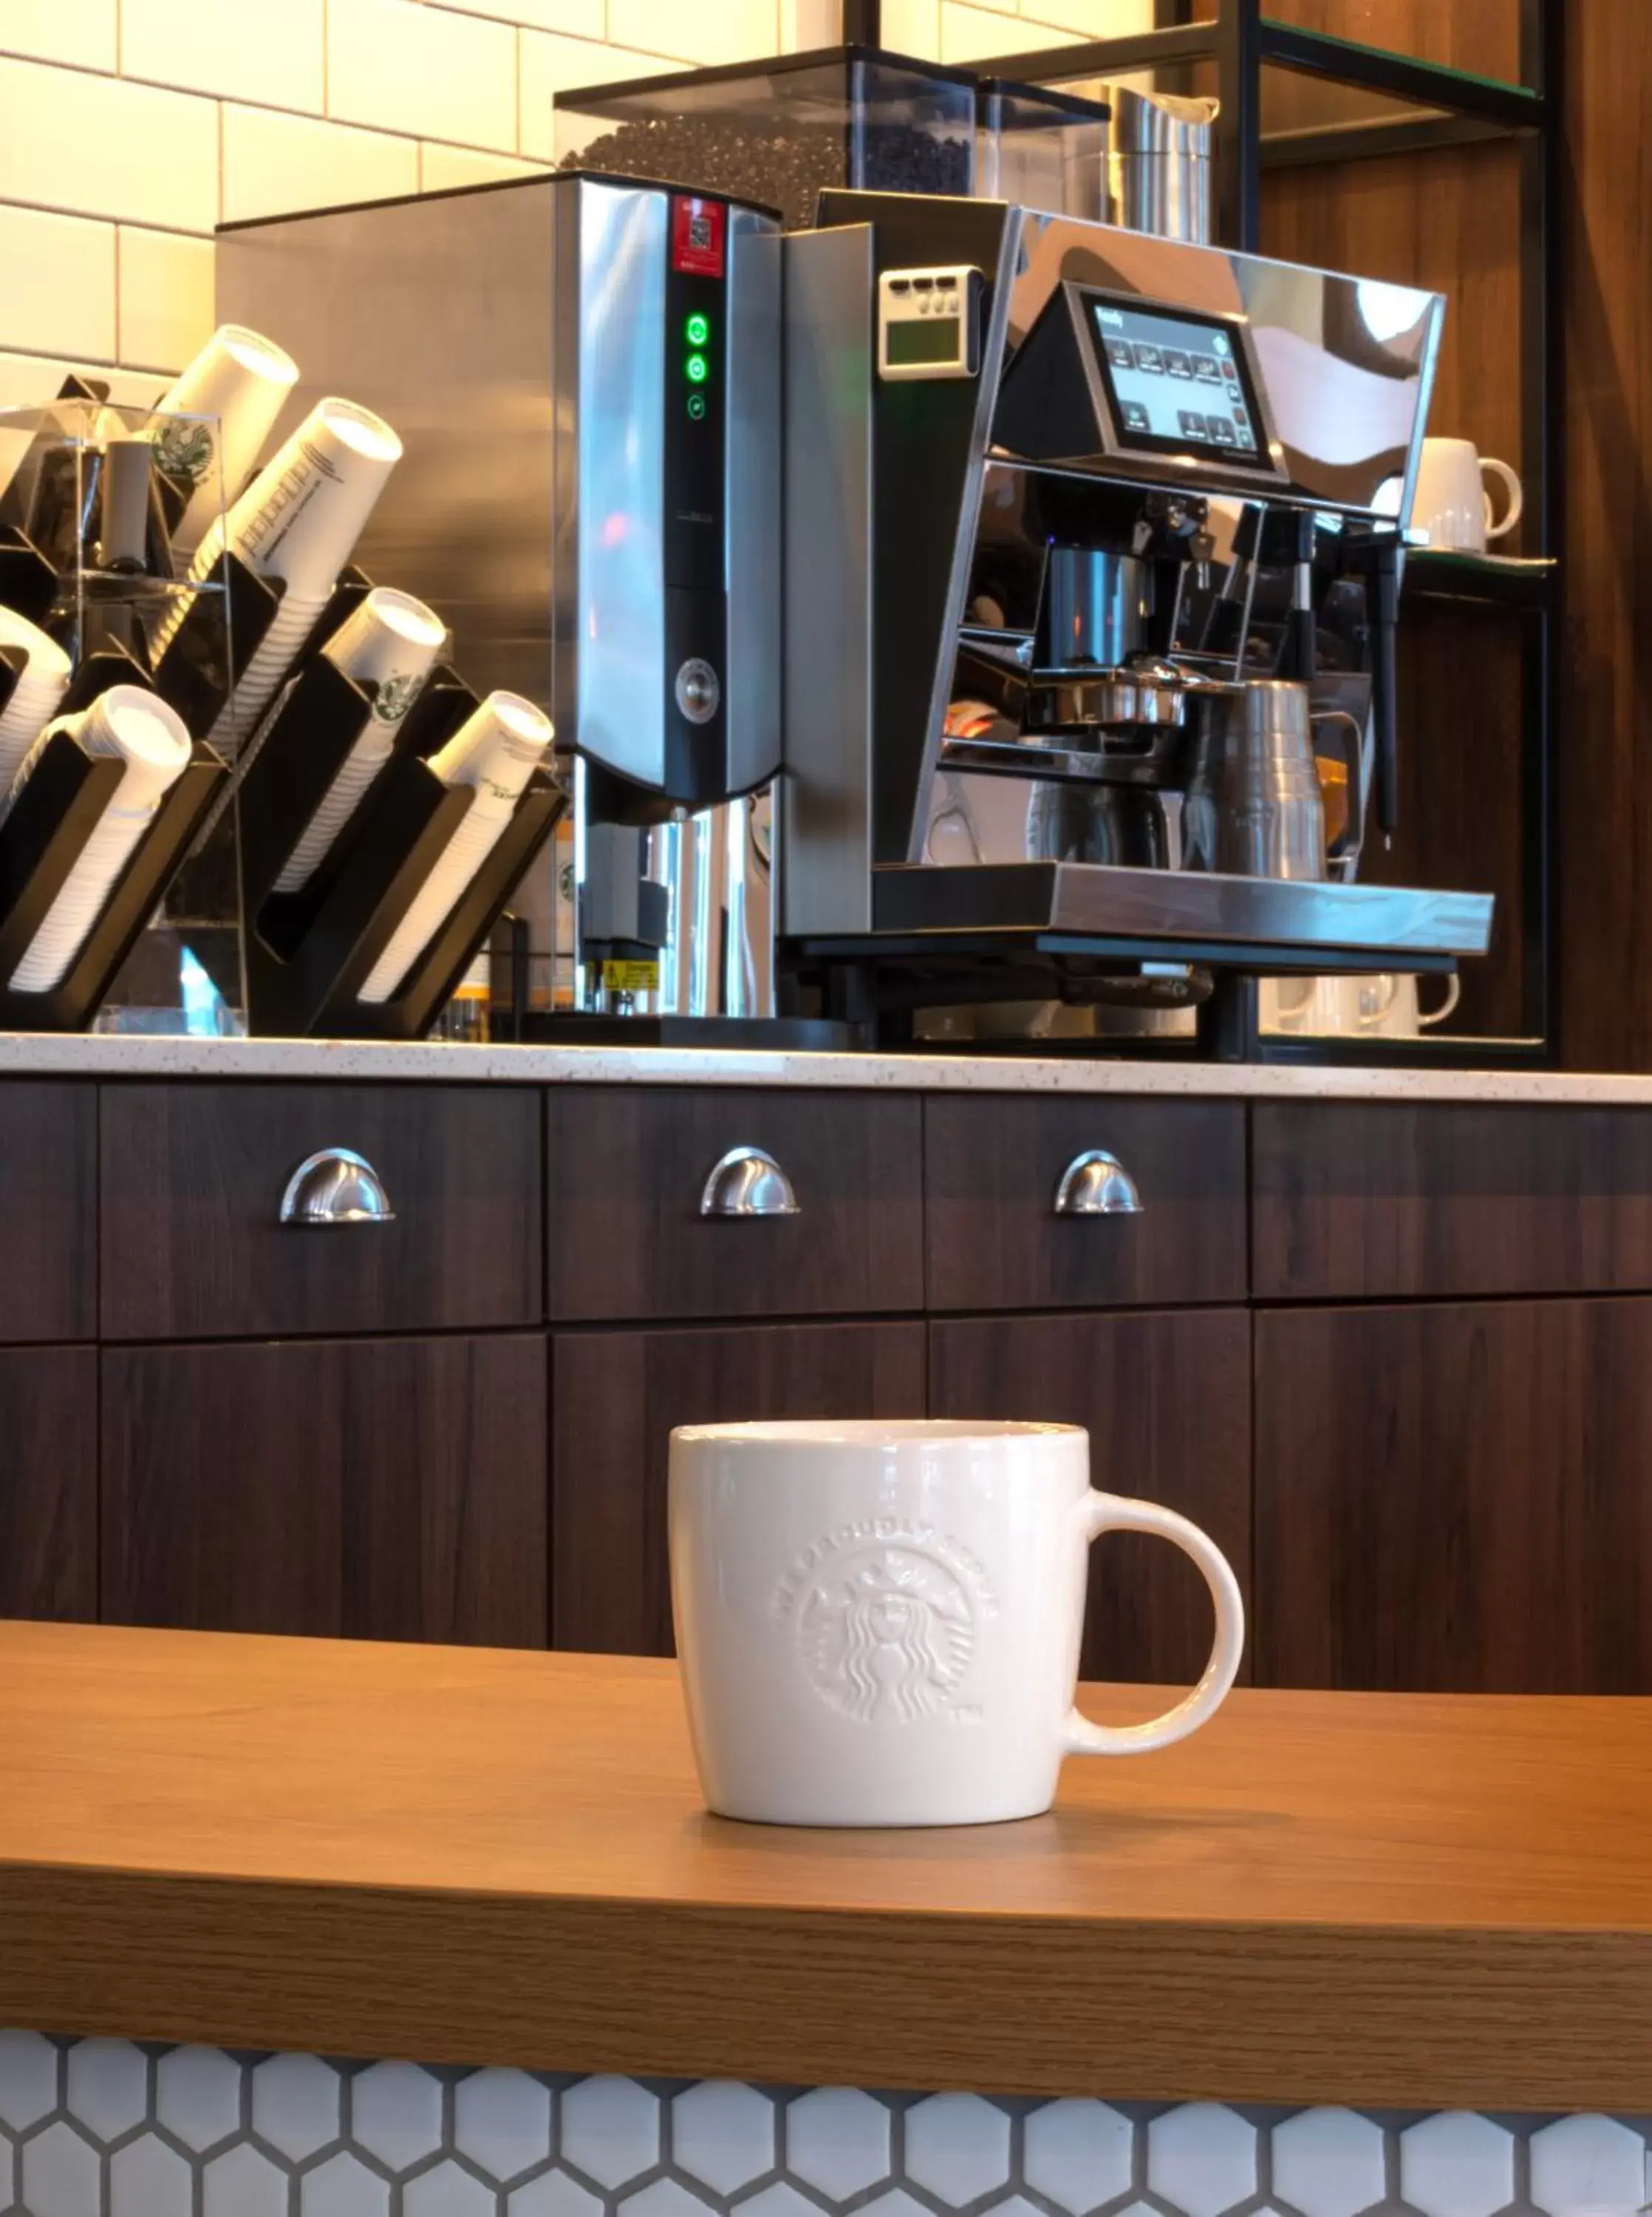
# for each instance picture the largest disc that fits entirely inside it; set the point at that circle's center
(192, 1177)
(1603, 796)
(48, 1483)
(626, 1170)
(1454, 1497)
(615, 1399)
(991, 1166)
(1383, 1200)
(48, 1207)
(1166, 1400)
(377, 1488)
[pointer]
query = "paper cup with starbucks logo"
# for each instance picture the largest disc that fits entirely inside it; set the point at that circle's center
(216, 415)
(878, 1622)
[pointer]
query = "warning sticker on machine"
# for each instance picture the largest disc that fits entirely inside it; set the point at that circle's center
(630, 977)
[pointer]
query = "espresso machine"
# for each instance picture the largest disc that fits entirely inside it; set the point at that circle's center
(1093, 543)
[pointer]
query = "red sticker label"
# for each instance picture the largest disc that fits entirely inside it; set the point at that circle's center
(697, 236)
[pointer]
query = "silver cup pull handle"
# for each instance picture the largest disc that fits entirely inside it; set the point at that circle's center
(747, 1181)
(333, 1188)
(1097, 1183)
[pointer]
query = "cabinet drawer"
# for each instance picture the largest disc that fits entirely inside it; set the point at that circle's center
(192, 1177)
(1383, 1200)
(48, 1482)
(992, 1166)
(48, 1188)
(627, 1171)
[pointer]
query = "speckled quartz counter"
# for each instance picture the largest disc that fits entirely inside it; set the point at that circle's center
(36, 1054)
(1199, 1986)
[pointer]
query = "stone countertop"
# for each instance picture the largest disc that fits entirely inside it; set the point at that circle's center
(502, 1855)
(24, 1055)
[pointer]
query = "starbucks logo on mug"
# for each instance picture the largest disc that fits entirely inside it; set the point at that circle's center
(885, 1621)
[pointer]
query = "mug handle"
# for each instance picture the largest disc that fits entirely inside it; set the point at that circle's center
(1511, 487)
(1111, 1512)
(1454, 995)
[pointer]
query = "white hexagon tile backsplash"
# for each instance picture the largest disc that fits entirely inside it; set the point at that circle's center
(115, 2128)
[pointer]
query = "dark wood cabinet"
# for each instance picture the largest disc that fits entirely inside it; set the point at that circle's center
(992, 1164)
(1386, 1201)
(615, 1397)
(1166, 1400)
(192, 1177)
(627, 1169)
(380, 1489)
(1454, 1497)
(48, 1482)
(48, 1211)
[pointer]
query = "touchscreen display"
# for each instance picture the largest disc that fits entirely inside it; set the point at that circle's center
(1177, 383)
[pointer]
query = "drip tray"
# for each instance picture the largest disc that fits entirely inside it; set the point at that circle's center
(1293, 923)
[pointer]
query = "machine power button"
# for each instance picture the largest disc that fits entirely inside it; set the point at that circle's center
(698, 690)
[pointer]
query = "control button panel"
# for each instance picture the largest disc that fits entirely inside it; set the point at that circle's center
(929, 323)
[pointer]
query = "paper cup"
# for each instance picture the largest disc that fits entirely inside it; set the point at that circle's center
(40, 685)
(301, 515)
(150, 739)
(256, 686)
(496, 749)
(225, 404)
(391, 641)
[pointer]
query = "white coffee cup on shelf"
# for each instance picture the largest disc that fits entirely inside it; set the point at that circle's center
(389, 641)
(222, 407)
(33, 702)
(152, 742)
(1451, 503)
(1404, 1017)
(878, 1622)
(496, 750)
(1384, 1006)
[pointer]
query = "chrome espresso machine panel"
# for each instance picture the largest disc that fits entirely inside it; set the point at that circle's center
(1021, 606)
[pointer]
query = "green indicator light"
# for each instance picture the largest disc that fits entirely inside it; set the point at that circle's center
(699, 331)
(698, 369)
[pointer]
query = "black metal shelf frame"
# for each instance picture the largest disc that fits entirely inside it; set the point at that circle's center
(1454, 109)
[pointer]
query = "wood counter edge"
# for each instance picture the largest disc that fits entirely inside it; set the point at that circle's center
(1403, 2017)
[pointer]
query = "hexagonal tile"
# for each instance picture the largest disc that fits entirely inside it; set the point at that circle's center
(198, 2095)
(958, 2145)
(501, 2120)
(610, 2130)
(149, 2179)
(28, 2078)
(108, 2086)
(1078, 2154)
(396, 2112)
(447, 2191)
(1202, 2157)
(295, 2103)
(837, 2140)
(667, 2197)
(723, 2133)
(1456, 2164)
(1328, 2163)
(1588, 2167)
(553, 2193)
(60, 2174)
(342, 2187)
(8, 2175)
(243, 2183)
(779, 2201)
(894, 2204)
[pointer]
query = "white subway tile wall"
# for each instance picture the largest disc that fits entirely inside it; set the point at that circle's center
(129, 128)
(113, 2128)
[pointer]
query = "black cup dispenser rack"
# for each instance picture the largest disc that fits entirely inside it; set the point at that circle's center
(309, 951)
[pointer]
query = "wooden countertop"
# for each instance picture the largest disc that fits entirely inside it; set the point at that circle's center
(475, 1855)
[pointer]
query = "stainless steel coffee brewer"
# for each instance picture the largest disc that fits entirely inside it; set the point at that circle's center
(1064, 503)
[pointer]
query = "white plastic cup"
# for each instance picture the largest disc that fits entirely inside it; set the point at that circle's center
(152, 742)
(496, 749)
(225, 404)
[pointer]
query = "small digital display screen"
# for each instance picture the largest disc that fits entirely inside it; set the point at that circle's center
(936, 340)
(1179, 384)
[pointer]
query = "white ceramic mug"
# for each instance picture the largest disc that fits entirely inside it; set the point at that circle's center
(1404, 1017)
(878, 1622)
(1334, 1007)
(1451, 502)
